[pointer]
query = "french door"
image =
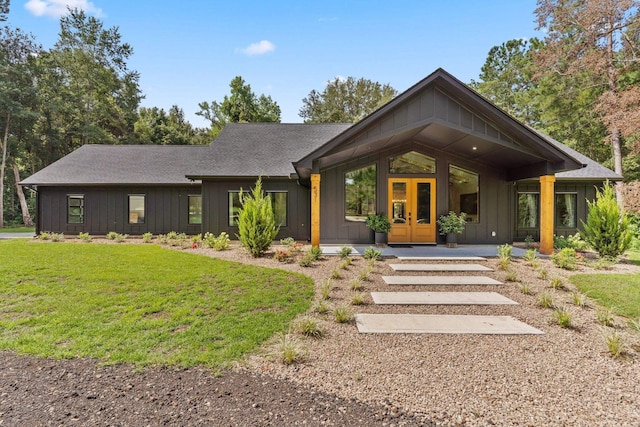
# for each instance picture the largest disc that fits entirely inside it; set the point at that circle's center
(412, 210)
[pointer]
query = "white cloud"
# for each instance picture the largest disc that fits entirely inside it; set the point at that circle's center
(260, 48)
(58, 8)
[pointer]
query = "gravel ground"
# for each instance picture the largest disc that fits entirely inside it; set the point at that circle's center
(564, 377)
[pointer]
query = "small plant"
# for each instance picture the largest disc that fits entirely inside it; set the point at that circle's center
(219, 243)
(525, 289)
(305, 261)
(44, 235)
(557, 283)
(563, 317)
(111, 235)
(345, 251)
(364, 274)
(335, 274)
(147, 237)
(566, 258)
(345, 263)
(512, 276)
(635, 324)
(605, 263)
(322, 307)
(358, 298)
(505, 251)
(452, 223)
(57, 237)
(342, 314)
(163, 239)
(372, 253)
(379, 223)
(543, 274)
(290, 350)
(604, 316)
(282, 255)
(545, 300)
(315, 253)
(579, 299)
(309, 327)
(528, 241)
(356, 284)
(615, 343)
(531, 256)
(120, 237)
(85, 237)
(287, 241)
(197, 238)
(325, 289)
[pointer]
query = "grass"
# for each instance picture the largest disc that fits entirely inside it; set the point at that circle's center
(140, 304)
(18, 230)
(619, 292)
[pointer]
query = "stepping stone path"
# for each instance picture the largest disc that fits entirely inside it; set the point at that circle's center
(441, 324)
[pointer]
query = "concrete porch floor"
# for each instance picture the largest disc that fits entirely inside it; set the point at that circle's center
(440, 251)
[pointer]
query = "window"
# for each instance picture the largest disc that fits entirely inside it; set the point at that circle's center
(195, 209)
(528, 210)
(136, 208)
(278, 204)
(75, 209)
(463, 192)
(566, 210)
(412, 162)
(360, 193)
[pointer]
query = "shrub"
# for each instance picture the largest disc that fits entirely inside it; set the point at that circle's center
(219, 243)
(308, 326)
(85, 237)
(563, 317)
(163, 239)
(305, 261)
(528, 241)
(342, 314)
(57, 237)
(282, 255)
(545, 300)
(256, 221)
(197, 238)
(315, 253)
(604, 316)
(345, 251)
(566, 258)
(607, 229)
(120, 237)
(372, 253)
(111, 235)
(44, 235)
(147, 237)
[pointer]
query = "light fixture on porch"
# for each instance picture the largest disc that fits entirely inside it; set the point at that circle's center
(474, 148)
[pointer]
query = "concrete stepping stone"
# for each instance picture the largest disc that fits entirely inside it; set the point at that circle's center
(441, 298)
(442, 324)
(441, 258)
(439, 267)
(439, 280)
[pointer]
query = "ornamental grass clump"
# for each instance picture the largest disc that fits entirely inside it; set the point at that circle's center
(614, 342)
(290, 351)
(545, 300)
(608, 228)
(563, 317)
(342, 314)
(579, 299)
(345, 251)
(309, 327)
(372, 253)
(256, 221)
(604, 316)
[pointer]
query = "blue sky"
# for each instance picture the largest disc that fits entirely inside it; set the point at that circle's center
(189, 51)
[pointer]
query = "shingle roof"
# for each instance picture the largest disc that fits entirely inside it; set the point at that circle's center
(120, 164)
(262, 149)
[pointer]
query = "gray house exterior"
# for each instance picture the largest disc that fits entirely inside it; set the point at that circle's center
(439, 146)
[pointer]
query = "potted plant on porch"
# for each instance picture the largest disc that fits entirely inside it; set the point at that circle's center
(380, 225)
(451, 225)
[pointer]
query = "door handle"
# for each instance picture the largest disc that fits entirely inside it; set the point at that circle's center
(409, 218)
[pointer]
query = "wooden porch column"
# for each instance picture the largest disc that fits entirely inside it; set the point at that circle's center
(315, 209)
(547, 203)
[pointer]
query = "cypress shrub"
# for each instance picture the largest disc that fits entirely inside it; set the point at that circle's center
(607, 229)
(256, 221)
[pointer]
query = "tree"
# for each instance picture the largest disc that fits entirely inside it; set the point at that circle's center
(256, 221)
(345, 101)
(4, 10)
(17, 96)
(597, 39)
(240, 106)
(90, 94)
(155, 126)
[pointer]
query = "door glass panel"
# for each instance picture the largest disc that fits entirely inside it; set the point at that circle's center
(423, 203)
(399, 202)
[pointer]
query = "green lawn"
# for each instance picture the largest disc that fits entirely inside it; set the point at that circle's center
(18, 230)
(140, 304)
(621, 292)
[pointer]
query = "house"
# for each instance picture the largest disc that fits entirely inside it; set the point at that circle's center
(438, 146)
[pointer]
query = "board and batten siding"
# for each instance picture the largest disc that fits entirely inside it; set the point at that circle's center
(107, 209)
(496, 213)
(215, 209)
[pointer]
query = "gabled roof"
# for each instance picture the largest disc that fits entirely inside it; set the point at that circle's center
(443, 112)
(120, 164)
(261, 149)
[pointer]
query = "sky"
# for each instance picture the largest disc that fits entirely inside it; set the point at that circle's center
(189, 51)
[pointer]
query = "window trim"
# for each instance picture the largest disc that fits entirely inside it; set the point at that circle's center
(518, 226)
(75, 196)
(144, 208)
(189, 221)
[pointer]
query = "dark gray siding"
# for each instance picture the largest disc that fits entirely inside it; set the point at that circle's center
(495, 203)
(216, 206)
(106, 209)
(585, 190)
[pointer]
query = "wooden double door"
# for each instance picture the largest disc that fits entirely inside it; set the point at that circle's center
(412, 210)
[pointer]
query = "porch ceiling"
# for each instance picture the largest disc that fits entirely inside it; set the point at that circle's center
(518, 162)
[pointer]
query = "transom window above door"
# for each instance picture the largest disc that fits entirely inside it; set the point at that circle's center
(412, 162)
